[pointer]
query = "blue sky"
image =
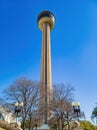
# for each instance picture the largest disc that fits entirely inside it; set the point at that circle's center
(73, 45)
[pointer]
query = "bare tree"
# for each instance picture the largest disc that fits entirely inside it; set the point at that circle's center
(59, 107)
(26, 91)
(62, 97)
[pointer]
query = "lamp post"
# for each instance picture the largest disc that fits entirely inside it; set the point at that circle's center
(76, 108)
(18, 109)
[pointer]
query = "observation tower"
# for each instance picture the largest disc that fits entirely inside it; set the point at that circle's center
(46, 21)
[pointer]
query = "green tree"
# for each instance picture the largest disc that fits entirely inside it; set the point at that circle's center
(87, 125)
(94, 115)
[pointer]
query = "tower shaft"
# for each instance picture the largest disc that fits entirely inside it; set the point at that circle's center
(46, 75)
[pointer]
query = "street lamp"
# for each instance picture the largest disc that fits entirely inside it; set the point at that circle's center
(76, 108)
(18, 107)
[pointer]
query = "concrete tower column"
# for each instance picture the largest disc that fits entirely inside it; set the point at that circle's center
(46, 22)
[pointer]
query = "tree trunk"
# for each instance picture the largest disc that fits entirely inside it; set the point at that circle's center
(23, 126)
(58, 126)
(62, 125)
(30, 123)
(36, 127)
(68, 125)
